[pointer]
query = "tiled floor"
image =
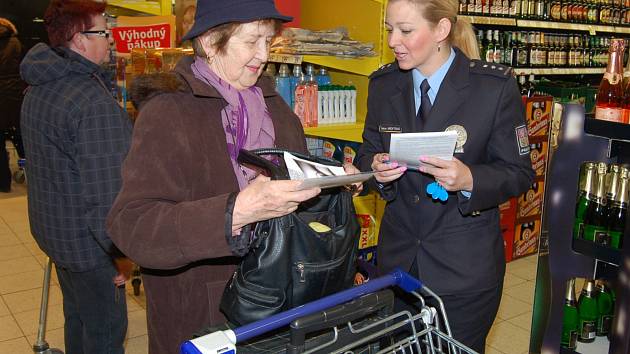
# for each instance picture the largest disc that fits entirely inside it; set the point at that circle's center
(21, 275)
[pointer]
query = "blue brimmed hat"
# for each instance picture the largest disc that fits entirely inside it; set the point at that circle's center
(211, 13)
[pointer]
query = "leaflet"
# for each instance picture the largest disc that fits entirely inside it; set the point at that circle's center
(406, 148)
(315, 174)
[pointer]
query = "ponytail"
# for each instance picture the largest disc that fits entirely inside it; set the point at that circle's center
(463, 37)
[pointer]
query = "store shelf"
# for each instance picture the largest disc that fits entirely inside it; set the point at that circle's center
(349, 132)
(593, 250)
(162, 7)
(610, 130)
(559, 71)
(591, 28)
(494, 21)
(361, 66)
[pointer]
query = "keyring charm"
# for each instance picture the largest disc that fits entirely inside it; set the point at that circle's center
(437, 192)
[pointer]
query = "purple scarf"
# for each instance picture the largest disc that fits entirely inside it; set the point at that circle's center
(246, 119)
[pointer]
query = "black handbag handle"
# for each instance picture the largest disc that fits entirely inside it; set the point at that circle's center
(254, 158)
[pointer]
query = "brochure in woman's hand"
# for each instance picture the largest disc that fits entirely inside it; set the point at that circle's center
(315, 174)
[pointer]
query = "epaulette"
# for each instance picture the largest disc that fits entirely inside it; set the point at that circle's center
(384, 69)
(498, 70)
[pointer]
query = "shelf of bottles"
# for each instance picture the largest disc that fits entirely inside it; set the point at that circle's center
(537, 52)
(608, 13)
(587, 321)
(600, 212)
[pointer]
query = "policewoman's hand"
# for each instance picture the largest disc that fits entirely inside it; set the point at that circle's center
(386, 171)
(453, 175)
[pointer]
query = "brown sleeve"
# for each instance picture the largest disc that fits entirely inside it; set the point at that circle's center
(153, 221)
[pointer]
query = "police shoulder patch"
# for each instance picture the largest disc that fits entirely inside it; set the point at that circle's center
(384, 69)
(494, 69)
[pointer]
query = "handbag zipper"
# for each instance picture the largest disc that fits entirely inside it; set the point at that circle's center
(301, 266)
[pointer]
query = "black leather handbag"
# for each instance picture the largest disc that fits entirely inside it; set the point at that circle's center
(289, 262)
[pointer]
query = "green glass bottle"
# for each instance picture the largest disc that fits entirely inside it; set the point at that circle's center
(587, 175)
(605, 308)
(617, 211)
(587, 310)
(596, 213)
(570, 318)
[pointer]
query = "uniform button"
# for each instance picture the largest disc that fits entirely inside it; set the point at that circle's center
(418, 242)
(416, 199)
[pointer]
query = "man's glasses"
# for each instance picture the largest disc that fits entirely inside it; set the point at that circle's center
(102, 33)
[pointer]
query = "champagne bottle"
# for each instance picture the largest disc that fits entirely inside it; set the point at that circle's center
(585, 194)
(617, 211)
(625, 112)
(587, 310)
(610, 93)
(570, 318)
(595, 215)
(605, 309)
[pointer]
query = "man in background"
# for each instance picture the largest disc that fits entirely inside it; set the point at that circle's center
(76, 137)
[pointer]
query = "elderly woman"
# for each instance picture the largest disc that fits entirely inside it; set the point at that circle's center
(187, 205)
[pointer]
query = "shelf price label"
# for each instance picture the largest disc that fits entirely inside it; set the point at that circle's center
(285, 58)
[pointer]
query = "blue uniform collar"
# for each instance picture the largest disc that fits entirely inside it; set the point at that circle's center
(435, 80)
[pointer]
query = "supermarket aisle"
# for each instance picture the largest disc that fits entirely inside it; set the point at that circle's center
(21, 274)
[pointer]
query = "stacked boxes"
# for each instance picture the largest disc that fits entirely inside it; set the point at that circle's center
(521, 217)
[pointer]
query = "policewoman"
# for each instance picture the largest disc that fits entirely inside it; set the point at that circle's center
(449, 238)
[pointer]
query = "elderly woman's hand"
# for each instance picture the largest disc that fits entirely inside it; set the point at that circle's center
(350, 169)
(265, 199)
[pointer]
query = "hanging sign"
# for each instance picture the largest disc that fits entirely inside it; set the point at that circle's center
(151, 36)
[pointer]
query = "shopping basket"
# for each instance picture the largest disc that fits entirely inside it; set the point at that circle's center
(425, 332)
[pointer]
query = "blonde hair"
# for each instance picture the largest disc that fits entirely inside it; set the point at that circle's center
(462, 34)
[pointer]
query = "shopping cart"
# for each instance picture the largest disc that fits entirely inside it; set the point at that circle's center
(425, 332)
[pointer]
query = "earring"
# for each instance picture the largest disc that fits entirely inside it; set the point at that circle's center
(439, 47)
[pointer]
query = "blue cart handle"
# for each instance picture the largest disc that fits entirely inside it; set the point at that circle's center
(254, 329)
(397, 277)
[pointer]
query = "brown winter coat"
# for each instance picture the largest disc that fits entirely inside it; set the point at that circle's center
(170, 214)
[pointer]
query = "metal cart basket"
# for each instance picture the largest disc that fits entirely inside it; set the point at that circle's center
(344, 324)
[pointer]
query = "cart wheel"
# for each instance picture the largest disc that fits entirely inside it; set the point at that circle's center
(19, 177)
(136, 286)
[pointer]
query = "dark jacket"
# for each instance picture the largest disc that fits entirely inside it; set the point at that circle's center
(76, 137)
(170, 215)
(456, 249)
(11, 86)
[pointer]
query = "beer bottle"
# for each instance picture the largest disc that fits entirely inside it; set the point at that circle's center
(585, 194)
(596, 213)
(605, 308)
(570, 317)
(617, 211)
(587, 310)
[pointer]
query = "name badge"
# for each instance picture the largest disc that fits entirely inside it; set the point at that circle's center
(388, 128)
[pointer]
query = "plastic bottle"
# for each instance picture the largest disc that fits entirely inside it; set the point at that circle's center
(295, 80)
(311, 117)
(283, 83)
(300, 104)
(322, 77)
(353, 104)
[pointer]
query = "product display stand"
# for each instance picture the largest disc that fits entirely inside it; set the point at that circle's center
(560, 256)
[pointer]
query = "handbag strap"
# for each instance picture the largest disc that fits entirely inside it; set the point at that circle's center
(254, 157)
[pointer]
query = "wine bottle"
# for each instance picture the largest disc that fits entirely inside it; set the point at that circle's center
(610, 94)
(585, 194)
(605, 309)
(617, 211)
(587, 310)
(570, 318)
(595, 215)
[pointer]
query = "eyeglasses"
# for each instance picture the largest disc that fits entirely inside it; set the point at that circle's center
(102, 33)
